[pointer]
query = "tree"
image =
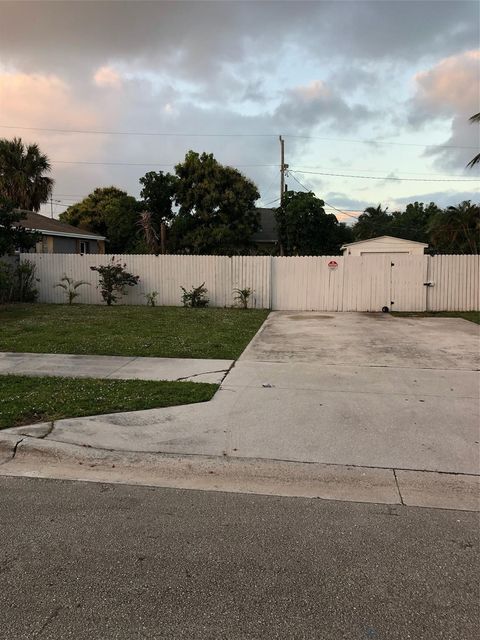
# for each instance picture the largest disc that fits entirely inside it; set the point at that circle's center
(22, 174)
(373, 222)
(305, 229)
(412, 224)
(217, 211)
(158, 195)
(13, 235)
(110, 212)
(456, 229)
(476, 159)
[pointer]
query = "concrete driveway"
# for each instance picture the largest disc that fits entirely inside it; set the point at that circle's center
(367, 390)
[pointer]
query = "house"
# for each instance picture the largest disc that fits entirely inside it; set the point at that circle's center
(267, 236)
(59, 237)
(384, 244)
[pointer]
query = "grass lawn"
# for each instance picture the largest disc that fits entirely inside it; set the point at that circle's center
(27, 399)
(173, 332)
(473, 316)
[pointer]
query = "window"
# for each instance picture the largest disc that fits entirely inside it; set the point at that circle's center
(84, 246)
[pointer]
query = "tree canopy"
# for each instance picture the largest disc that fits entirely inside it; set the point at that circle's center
(217, 211)
(110, 212)
(305, 229)
(13, 235)
(455, 229)
(22, 174)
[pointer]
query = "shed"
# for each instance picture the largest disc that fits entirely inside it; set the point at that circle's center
(384, 244)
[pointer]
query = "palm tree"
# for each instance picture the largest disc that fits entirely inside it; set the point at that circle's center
(476, 159)
(374, 221)
(456, 229)
(22, 179)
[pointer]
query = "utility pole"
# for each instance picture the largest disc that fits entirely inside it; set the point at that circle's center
(282, 167)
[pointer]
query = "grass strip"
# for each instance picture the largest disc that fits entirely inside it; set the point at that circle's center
(30, 399)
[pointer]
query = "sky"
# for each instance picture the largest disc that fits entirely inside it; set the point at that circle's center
(362, 92)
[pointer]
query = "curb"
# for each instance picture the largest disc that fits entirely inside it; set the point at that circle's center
(34, 457)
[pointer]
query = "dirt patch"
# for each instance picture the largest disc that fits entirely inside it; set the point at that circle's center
(309, 317)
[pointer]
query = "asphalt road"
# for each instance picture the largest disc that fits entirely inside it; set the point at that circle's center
(102, 562)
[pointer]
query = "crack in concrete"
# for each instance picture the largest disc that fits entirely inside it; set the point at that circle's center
(14, 451)
(398, 487)
(132, 359)
(52, 424)
(203, 373)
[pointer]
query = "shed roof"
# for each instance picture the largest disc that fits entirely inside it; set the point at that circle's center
(390, 238)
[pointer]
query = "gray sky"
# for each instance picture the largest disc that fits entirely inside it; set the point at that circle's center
(326, 75)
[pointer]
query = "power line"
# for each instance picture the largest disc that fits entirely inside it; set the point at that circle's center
(346, 175)
(272, 201)
(330, 205)
(302, 169)
(379, 141)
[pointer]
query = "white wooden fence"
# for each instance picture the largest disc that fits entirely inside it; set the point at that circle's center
(356, 283)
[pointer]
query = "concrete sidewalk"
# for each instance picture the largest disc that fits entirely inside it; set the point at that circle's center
(114, 367)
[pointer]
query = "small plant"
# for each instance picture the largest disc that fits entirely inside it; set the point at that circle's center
(114, 278)
(242, 297)
(70, 286)
(151, 298)
(196, 297)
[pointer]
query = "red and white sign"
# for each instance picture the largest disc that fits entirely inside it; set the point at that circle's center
(333, 264)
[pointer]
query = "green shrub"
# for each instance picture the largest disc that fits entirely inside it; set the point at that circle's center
(17, 282)
(7, 280)
(196, 297)
(114, 278)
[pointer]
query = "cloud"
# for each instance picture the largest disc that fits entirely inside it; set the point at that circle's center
(198, 38)
(306, 106)
(107, 77)
(450, 90)
(29, 100)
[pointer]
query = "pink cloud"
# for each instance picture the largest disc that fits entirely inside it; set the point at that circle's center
(451, 86)
(107, 77)
(46, 101)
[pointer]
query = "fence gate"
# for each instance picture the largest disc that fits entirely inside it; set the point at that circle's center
(408, 283)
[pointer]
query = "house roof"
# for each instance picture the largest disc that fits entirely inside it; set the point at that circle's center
(51, 227)
(351, 244)
(268, 231)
